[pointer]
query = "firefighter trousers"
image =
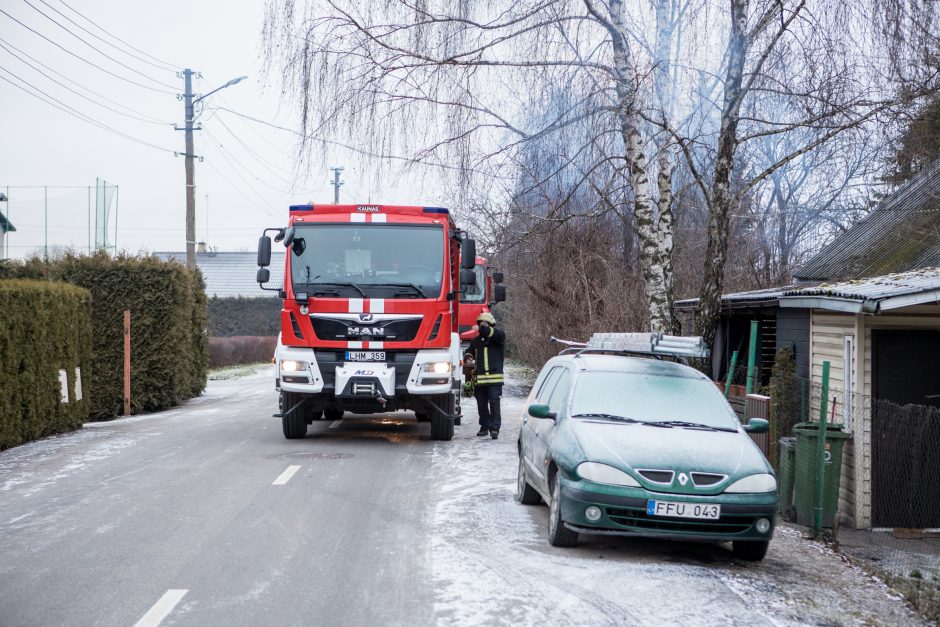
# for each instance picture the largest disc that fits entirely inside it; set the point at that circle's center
(488, 405)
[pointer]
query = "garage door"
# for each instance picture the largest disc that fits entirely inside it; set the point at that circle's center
(905, 429)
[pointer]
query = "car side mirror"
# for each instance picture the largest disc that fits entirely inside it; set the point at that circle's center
(499, 293)
(497, 277)
(468, 278)
(288, 236)
(264, 252)
(540, 410)
(757, 425)
(263, 276)
(468, 254)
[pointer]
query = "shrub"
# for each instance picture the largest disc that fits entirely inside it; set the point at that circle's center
(44, 328)
(231, 351)
(231, 317)
(168, 335)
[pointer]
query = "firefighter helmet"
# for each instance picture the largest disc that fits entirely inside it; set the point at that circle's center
(487, 317)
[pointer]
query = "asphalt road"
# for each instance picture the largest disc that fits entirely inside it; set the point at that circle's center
(206, 515)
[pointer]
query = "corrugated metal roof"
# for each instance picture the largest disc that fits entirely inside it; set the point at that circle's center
(229, 275)
(900, 234)
(753, 296)
(876, 288)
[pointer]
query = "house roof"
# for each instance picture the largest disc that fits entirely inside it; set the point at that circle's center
(870, 295)
(5, 225)
(736, 300)
(900, 234)
(229, 275)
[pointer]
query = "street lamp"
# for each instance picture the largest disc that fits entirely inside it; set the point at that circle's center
(189, 101)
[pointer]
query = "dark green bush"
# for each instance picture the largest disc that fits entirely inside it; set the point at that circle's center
(231, 317)
(232, 351)
(44, 328)
(168, 327)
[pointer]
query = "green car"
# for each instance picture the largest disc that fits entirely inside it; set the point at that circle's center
(635, 446)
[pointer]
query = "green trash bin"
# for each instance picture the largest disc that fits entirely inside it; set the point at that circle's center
(785, 473)
(804, 493)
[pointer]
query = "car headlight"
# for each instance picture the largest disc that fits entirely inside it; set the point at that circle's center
(754, 484)
(602, 473)
(289, 365)
(437, 367)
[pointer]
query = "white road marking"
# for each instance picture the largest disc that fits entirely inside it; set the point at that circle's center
(286, 475)
(161, 609)
(336, 423)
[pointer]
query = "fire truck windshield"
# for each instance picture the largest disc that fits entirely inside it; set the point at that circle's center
(369, 261)
(476, 293)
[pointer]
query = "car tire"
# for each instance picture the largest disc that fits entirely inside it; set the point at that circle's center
(558, 534)
(333, 413)
(525, 494)
(750, 551)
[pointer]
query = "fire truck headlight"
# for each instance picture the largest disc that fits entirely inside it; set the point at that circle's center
(437, 367)
(289, 365)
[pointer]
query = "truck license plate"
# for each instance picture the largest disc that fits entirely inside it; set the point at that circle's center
(674, 509)
(365, 355)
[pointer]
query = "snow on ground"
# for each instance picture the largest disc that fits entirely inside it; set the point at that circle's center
(492, 563)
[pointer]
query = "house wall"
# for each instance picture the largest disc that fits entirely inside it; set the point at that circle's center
(828, 331)
(793, 332)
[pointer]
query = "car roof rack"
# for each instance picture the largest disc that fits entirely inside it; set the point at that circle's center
(649, 344)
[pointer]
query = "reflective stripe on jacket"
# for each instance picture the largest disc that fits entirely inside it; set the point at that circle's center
(488, 351)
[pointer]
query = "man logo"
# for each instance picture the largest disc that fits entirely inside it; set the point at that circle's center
(683, 479)
(366, 318)
(372, 331)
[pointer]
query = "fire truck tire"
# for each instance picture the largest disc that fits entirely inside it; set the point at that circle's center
(442, 422)
(333, 413)
(295, 423)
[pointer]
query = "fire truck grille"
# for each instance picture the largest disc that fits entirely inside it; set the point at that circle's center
(334, 329)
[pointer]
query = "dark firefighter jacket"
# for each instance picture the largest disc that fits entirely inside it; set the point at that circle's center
(488, 350)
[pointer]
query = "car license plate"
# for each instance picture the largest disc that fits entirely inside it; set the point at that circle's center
(365, 355)
(673, 509)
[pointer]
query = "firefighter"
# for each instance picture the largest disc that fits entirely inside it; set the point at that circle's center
(487, 350)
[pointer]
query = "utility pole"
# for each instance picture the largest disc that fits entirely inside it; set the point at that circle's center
(336, 184)
(190, 170)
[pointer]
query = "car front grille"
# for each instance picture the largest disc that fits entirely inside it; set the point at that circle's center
(637, 519)
(663, 477)
(705, 479)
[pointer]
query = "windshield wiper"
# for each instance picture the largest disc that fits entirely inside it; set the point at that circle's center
(352, 285)
(607, 416)
(693, 425)
(408, 285)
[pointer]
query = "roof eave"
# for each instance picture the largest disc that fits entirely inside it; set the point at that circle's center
(844, 305)
(909, 300)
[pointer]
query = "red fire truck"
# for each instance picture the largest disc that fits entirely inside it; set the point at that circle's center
(486, 292)
(369, 321)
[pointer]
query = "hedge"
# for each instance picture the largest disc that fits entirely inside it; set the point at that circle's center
(232, 351)
(233, 317)
(168, 327)
(45, 328)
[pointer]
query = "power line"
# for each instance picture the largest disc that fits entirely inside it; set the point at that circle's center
(75, 112)
(236, 164)
(102, 39)
(239, 189)
(110, 34)
(91, 63)
(80, 95)
(7, 44)
(96, 49)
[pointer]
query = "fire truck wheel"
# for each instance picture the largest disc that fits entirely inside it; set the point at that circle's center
(295, 423)
(333, 413)
(442, 422)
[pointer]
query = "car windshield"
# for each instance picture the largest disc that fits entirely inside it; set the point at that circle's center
(476, 293)
(369, 260)
(652, 398)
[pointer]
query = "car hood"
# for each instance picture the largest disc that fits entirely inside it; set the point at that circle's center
(632, 447)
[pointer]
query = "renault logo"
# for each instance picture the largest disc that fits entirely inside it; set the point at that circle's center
(683, 479)
(366, 318)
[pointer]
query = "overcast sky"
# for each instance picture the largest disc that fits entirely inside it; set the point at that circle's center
(247, 172)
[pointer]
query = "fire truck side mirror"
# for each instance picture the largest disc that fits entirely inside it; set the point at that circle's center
(264, 275)
(468, 278)
(497, 277)
(499, 293)
(468, 254)
(288, 236)
(264, 251)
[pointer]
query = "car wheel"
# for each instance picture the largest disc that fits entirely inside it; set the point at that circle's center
(525, 493)
(558, 534)
(333, 413)
(750, 551)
